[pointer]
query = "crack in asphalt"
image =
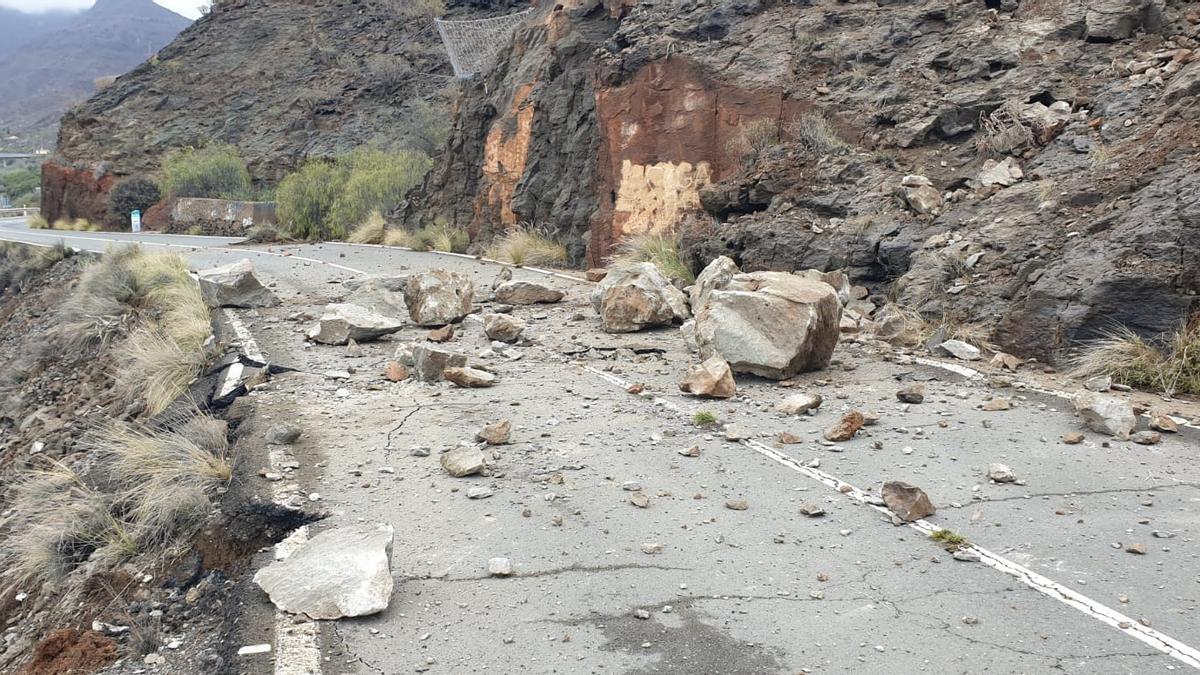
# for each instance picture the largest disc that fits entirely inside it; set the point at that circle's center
(1088, 493)
(552, 572)
(387, 448)
(345, 645)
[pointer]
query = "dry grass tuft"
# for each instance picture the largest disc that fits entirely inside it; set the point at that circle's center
(1173, 368)
(816, 134)
(525, 246)
(659, 248)
(372, 231)
(400, 238)
(754, 137)
(37, 222)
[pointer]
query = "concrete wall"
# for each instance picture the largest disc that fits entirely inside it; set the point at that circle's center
(220, 216)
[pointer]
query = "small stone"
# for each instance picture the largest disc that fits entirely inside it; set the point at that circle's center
(526, 293)
(419, 451)
(1136, 549)
(463, 461)
(966, 555)
(737, 504)
(1164, 423)
(469, 377)
(812, 510)
(1001, 473)
(996, 404)
(1098, 383)
(787, 438)
(282, 434)
(502, 327)
(693, 451)
(959, 350)
(639, 499)
(712, 378)
(734, 432)
(353, 350)
(500, 567)
(395, 371)
(913, 393)
(798, 403)
(652, 548)
(1006, 361)
(641, 614)
(631, 486)
(496, 433)
(846, 428)
(909, 502)
(479, 492)
(1146, 437)
(1072, 438)
(443, 334)
(1105, 414)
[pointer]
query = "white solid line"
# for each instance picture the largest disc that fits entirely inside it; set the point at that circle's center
(1160, 641)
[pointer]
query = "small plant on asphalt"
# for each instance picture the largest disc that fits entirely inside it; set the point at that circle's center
(949, 539)
(660, 248)
(704, 418)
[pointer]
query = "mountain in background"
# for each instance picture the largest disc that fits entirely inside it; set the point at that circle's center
(50, 61)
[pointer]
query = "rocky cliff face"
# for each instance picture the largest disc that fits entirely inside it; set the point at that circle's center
(282, 80)
(1056, 143)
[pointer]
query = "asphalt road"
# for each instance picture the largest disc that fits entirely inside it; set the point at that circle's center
(761, 590)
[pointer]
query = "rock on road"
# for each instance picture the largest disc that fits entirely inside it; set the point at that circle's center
(688, 584)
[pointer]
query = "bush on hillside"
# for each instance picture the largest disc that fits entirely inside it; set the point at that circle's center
(215, 171)
(134, 193)
(324, 199)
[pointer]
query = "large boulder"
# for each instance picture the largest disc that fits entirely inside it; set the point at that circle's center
(1105, 414)
(439, 297)
(526, 293)
(770, 324)
(909, 502)
(382, 295)
(343, 322)
(234, 285)
(339, 573)
(637, 296)
(502, 327)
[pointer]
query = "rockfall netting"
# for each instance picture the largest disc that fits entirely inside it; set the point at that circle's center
(473, 45)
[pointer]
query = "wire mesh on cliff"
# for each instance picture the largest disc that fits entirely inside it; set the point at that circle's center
(473, 45)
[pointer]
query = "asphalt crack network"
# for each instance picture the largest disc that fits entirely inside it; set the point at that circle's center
(387, 448)
(346, 645)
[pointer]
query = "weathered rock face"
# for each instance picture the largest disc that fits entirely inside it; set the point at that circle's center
(234, 285)
(342, 322)
(770, 324)
(365, 80)
(439, 297)
(339, 573)
(633, 297)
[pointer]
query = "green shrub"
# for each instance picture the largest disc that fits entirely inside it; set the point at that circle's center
(20, 182)
(215, 171)
(132, 193)
(304, 200)
(324, 198)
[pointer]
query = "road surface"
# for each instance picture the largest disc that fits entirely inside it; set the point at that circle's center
(689, 585)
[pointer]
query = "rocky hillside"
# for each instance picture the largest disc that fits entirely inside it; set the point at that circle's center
(1025, 170)
(282, 80)
(56, 59)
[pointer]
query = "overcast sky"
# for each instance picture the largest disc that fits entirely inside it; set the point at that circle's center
(188, 8)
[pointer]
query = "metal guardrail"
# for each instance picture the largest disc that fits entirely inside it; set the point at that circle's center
(19, 213)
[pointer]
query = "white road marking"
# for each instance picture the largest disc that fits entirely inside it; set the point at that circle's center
(297, 646)
(1156, 639)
